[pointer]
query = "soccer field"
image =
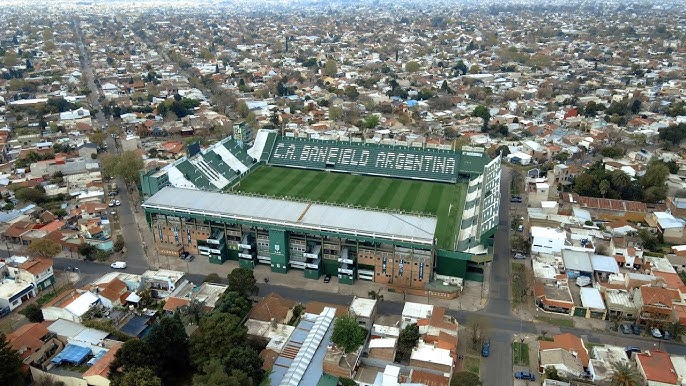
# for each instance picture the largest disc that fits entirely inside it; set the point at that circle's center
(430, 198)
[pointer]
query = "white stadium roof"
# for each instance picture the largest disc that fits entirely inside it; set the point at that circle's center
(302, 215)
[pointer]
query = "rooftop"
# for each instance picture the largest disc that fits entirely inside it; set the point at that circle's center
(301, 215)
(362, 307)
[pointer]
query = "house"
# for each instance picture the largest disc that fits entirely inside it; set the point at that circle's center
(273, 307)
(577, 263)
(568, 342)
(620, 305)
(383, 348)
(547, 240)
(364, 310)
(564, 361)
(70, 306)
(38, 272)
(600, 367)
(75, 114)
(429, 356)
(13, 290)
(657, 369)
(413, 312)
(672, 228)
(28, 340)
(112, 294)
(655, 304)
(554, 297)
(162, 282)
(207, 294)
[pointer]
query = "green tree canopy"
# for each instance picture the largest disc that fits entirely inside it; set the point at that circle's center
(482, 112)
(44, 248)
(347, 334)
(371, 121)
(168, 337)
(624, 374)
(330, 68)
(247, 360)
(212, 374)
(10, 365)
(412, 66)
(138, 376)
(133, 354)
(408, 339)
(234, 303)
(242, 280)
(217, 334)
(465, 378)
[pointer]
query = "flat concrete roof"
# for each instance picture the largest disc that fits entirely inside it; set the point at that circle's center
(294, 214)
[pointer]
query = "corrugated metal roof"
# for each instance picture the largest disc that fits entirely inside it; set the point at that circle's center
(302, 215)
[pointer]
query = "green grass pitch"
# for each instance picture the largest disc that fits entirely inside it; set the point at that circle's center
(445, 201)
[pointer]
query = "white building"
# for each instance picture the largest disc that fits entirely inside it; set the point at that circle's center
(547, 240)
(412, 312)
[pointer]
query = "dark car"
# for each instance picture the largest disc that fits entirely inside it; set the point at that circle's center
(631, 349)
(666, 335)
(524, 375)
(486, 348)
(636, 329)
(625, 328)
(327, 278)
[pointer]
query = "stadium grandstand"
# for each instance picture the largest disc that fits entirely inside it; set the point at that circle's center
(359, 210)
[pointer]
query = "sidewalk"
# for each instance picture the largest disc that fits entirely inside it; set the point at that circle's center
(473, 297)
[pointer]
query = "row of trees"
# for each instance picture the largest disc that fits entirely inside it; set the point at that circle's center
(598, 182)
(125, 166)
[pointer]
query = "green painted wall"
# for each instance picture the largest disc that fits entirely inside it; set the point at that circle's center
(278, 250)
(330, 267)
(245, 263)
(312, 273)
(451, 263)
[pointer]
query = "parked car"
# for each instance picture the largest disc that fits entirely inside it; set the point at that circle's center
(327, 278)
(112, 194)
(117, 202)
(112, 203)
(524, 375)
(636, 329)
(486, 348)
(631, 349)
(516, 199)
(118, 265)
(655, 332)
(520, 228)
(519, 256)
(625, 328)
(666, 335)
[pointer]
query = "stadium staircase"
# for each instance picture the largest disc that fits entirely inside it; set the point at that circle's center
(264, 141)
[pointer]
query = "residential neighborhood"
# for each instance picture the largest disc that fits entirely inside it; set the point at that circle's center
(343, 193)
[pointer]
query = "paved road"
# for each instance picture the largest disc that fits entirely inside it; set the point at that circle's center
(497, 368)
(135, 255)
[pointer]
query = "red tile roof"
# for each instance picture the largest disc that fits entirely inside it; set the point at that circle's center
(569, 342)
(657, 367)
(102, 367)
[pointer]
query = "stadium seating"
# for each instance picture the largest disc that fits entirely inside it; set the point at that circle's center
(373, 159)
(264, 141)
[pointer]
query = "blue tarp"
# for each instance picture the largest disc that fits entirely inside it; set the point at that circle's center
(72, 354)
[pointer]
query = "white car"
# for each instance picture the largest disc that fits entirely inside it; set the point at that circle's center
(112, 203)
(118, 265)
(117, 203)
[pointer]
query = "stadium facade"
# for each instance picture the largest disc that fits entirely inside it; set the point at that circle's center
(191, 206)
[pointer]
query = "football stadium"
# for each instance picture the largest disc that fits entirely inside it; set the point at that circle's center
(378, 210)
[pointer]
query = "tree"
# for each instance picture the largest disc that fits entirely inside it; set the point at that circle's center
(217, 333)
(351, 92)
(168, 337)
(242, 109)
(477, 329)
(130, 163)
(649, 240)
(138, 376)
(604, 187)
(460, 67)
(624, 374)
(562, 156)
(87, 251)
(347, 334)
(412, 66)
(34, 195)
(673, 133)
(482, 112)
(242, 280)
(612, 151)
(33, 313)
(551, 373)
(133, 354)
(44, 248)
(98, 137)
(474, 69)
(212, 374)
(247, 360)
(212, 278)
(119, 244)
(371, 121)
(10, 370)
(335, 113)
(330, 68)
(407, 340)
(465, 378)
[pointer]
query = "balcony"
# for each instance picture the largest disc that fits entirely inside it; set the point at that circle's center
(346, 260)
(247, 256)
